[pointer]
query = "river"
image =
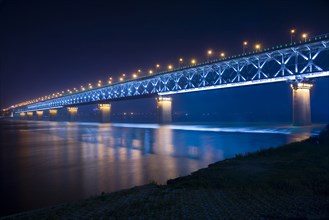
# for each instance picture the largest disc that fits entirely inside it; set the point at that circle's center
(47, 163)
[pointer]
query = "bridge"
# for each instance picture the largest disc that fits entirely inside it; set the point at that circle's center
(296, 63)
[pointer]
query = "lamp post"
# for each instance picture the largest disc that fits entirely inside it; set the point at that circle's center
(193, 61)
(257, 47)
(209, 55)
(157, 67)
(292, 32)
(180, 61)
(304, 36)
(245, 44)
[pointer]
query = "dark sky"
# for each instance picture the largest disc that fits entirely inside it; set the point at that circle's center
(49, 46)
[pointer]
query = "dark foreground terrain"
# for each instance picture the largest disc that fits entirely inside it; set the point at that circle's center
(288, 182)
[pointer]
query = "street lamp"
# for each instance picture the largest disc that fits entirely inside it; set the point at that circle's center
(170, 67)
(245, 44)
(180, 62)
(110, 80)
(257, 47)
(193, 61)
(304, 36)
(150, 71)
(292, 32)
(222, 54)
(134, 75)
(209, 54)
(157, 67)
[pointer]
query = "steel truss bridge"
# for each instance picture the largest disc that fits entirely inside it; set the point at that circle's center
(293, 62)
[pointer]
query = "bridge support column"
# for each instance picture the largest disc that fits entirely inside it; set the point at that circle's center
(104, 112)
(164, 109)
(39, 115)
(52, 114)
(301, 103)
(22, 115)
(73, 112)
(29, 115)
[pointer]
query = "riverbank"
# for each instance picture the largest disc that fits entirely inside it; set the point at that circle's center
(290, 181)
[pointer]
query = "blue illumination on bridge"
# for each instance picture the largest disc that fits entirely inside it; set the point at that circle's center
(295, 62)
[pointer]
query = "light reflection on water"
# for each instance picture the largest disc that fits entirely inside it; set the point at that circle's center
(44, 163)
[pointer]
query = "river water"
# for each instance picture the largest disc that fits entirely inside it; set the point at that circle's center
(46, 163)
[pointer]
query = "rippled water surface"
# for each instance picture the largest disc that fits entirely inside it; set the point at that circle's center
(45, 163)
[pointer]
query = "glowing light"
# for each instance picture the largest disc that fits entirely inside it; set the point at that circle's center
(209, 52)
(193, 61)
(72, 109)
(245, 43)
(180, 59)
(104, 107)
(163, 98)
(170, 67)
(150, 71)
(134, 75)
(53, 111)
(301, 85)
(304, 35)
(121, 79)
(222, 54)
(292, 31)
(257, 47)
(158, 66)
(139, 71)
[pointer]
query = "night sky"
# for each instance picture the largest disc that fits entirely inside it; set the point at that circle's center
(50, 46)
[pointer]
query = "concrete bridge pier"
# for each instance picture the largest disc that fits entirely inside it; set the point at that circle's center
(53, 114)
(22, 115)
(164, 109)
(104, 112)
(39, 115)
(301, 103)
(29, 115)
(73, 113)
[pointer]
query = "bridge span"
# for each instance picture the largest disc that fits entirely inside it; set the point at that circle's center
(296, 63)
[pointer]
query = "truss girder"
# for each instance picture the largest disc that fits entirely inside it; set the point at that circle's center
(287, 62)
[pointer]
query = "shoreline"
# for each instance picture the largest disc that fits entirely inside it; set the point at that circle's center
(288, 181)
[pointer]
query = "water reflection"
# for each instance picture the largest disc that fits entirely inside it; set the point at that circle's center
(44, 163)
